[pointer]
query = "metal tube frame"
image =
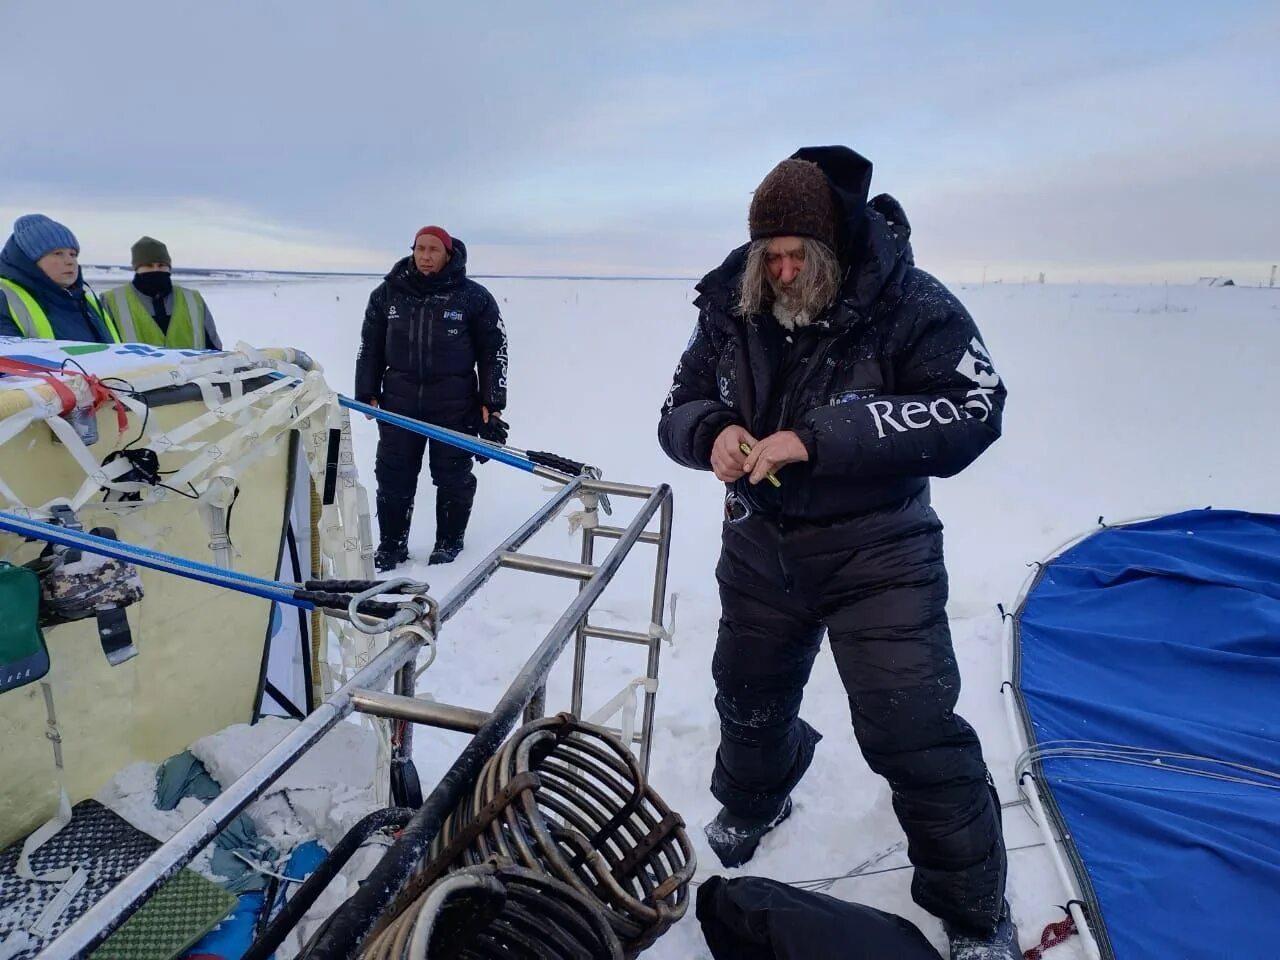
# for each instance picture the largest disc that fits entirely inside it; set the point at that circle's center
(397, 706)
(481, 574)
(396, 663)
(1021, 737)
(548, 565)
(655, 633)
(392, 885)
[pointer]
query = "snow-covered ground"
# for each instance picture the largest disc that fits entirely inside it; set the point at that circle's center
(1123, 401)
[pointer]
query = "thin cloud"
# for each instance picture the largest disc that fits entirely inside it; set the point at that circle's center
(629, 138)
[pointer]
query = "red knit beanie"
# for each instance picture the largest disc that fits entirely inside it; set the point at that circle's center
(439, 233)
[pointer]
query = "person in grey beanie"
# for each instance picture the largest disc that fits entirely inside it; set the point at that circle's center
(43, 294)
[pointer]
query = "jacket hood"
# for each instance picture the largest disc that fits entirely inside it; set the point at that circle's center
(15, 265)
(849, 174)
(874, 235)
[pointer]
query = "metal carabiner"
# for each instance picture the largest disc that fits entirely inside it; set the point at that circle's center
(736, 508)
(408, 613)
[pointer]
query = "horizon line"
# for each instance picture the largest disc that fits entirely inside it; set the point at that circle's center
(1021, 282)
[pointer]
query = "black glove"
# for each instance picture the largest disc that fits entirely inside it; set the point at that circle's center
(495, 431)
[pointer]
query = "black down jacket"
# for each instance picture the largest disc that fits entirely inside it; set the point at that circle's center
(890, 386)
(433, 345)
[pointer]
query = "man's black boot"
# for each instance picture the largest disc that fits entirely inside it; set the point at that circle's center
(998, 944)
(735, 839)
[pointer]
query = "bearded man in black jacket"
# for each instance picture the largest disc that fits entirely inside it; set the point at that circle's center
(827, 380)
(433, 347)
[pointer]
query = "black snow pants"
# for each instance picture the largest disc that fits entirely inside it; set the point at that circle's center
(398, 464)
(878, 586)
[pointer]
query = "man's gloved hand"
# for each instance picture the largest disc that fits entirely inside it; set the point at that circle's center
(496, 430)
(492, 428)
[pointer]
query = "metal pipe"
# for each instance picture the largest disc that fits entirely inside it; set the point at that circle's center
(613, 533)
(548, 565)
(296, 907)
(462, 441)
(152, 559)
(621, 489)
(479, 575)
(622, 636)
(1021, 736)
(1073, 905)
(355, 920)
(546, 473)
(104, 917)
(402, 751)
(658, 611)
(537, 707)
(446, 716)
(592, 503)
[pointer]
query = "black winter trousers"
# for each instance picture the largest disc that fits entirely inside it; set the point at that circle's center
(399, 462)
(878, 586)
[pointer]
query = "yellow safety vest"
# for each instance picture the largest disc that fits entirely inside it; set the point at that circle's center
(34, 322)
(186, 326)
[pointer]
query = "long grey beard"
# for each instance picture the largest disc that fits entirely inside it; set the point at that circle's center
(789, 312)
(810, 293)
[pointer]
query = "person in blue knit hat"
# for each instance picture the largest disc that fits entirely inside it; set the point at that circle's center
(42, 291)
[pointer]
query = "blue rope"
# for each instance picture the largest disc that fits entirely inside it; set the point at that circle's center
(153, 559)
(460, 440)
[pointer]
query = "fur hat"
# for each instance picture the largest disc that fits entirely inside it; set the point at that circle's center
(794, 200)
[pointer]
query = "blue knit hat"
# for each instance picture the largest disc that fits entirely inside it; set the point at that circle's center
(37, 235)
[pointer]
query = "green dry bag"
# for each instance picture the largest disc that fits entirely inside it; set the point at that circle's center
(24, 658)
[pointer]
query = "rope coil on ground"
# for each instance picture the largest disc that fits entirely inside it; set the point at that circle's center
(568, 799)
(498, 909)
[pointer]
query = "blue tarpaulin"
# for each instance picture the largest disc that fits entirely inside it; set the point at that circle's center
(1148, 666)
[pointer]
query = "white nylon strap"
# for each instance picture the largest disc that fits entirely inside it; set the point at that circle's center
(625, 700)
(175, 439)
(241, 443)
(43, 835)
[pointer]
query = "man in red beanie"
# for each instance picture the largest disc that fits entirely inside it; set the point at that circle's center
(433, 347)
(825, 358)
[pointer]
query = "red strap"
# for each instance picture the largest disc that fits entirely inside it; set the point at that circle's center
(10, 365)
(101, 394)
(1054, 934)
(25, 369)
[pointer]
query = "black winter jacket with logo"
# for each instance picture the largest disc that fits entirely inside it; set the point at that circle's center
(891, 386)
(433, 346)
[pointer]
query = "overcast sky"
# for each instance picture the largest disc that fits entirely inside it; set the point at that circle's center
(1131, 141)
